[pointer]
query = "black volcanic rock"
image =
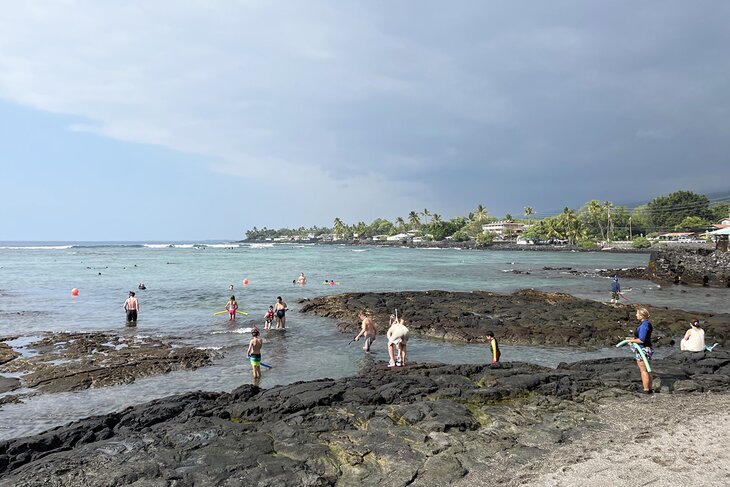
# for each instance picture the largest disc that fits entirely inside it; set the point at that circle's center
(694, 266)
(76, 361)
(417, 425)
(523, 317)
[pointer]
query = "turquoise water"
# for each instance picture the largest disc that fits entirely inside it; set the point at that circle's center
(186, 284)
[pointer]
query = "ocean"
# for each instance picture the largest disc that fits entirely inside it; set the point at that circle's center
(187, 282)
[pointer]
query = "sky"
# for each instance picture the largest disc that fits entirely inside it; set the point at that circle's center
(192, 120)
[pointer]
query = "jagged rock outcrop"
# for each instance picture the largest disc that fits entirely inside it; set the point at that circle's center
(75, 361)
(699, 266)
(417, 425)
(524, 317)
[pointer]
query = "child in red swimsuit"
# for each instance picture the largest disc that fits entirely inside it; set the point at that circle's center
(269, 318)
(232, 306)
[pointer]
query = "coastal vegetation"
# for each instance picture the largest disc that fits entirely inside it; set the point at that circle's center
(596, 221)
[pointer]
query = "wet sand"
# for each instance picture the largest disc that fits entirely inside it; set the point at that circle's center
(659, 440)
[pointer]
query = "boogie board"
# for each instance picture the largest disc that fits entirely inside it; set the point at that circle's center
(263, 364)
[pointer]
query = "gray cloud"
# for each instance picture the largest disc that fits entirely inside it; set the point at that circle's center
(502, 103)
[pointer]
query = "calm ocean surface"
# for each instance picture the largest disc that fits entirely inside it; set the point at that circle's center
(187, 283)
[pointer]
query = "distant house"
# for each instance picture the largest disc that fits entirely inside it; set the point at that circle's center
(724, 223)
(398, 237)
(525, 241)
(672, 235)
(503, 227)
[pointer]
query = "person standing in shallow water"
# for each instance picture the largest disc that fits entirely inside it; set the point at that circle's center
(397, 341)
(642, 338)
(254, 353)
(494, 347)
(280, 312)
(301, 280)
(615, 290)
(367, 330)
(232, 307)
(131, 307)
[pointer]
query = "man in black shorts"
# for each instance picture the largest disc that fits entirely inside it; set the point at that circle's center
(131, 306)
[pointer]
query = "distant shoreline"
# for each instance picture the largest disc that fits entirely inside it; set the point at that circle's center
(456, 245)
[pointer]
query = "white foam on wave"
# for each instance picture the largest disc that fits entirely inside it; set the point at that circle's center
(260, 245)
(208, 348)
(157, 246)
(39, 247)
(223, 246)
(237, 330)
(359, 250)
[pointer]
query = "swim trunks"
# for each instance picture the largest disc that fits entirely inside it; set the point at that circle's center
(280, 313)
(368, 343)
(648, 351)
(255, 359)
(131, 315)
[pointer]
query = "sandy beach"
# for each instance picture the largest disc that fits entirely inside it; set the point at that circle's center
(659, 440)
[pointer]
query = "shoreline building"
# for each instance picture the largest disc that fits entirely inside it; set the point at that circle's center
(504, 227)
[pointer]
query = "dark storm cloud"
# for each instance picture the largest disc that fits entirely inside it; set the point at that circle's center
(436, 105)
(549, 105)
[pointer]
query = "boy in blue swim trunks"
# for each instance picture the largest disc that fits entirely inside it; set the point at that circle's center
(254, 353)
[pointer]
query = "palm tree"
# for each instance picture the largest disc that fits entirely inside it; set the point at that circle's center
(508, 219)
(435, 219)
(528, 212)
(480, 213)
(401, 223)
(594, 210)
(339, 228)
(425, 214)
(609, 227)
(361, 228)
(572, 229)
(414, 220)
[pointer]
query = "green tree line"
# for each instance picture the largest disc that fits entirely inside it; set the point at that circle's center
(594, 221)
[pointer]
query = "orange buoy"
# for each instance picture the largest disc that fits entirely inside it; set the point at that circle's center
(75, 291)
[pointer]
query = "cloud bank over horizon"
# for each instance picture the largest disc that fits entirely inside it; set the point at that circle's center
(372, 109)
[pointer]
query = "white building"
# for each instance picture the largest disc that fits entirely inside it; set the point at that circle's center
(503, 227)
(398, 237)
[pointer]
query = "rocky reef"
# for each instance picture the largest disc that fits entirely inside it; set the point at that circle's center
(58, 362)
(418, 425)
(526, 317)
(699, 266)
(694, 266)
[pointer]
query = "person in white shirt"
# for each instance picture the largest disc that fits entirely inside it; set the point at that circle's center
(694, 339)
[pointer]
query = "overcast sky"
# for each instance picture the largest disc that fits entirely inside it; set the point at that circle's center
(171, 120)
